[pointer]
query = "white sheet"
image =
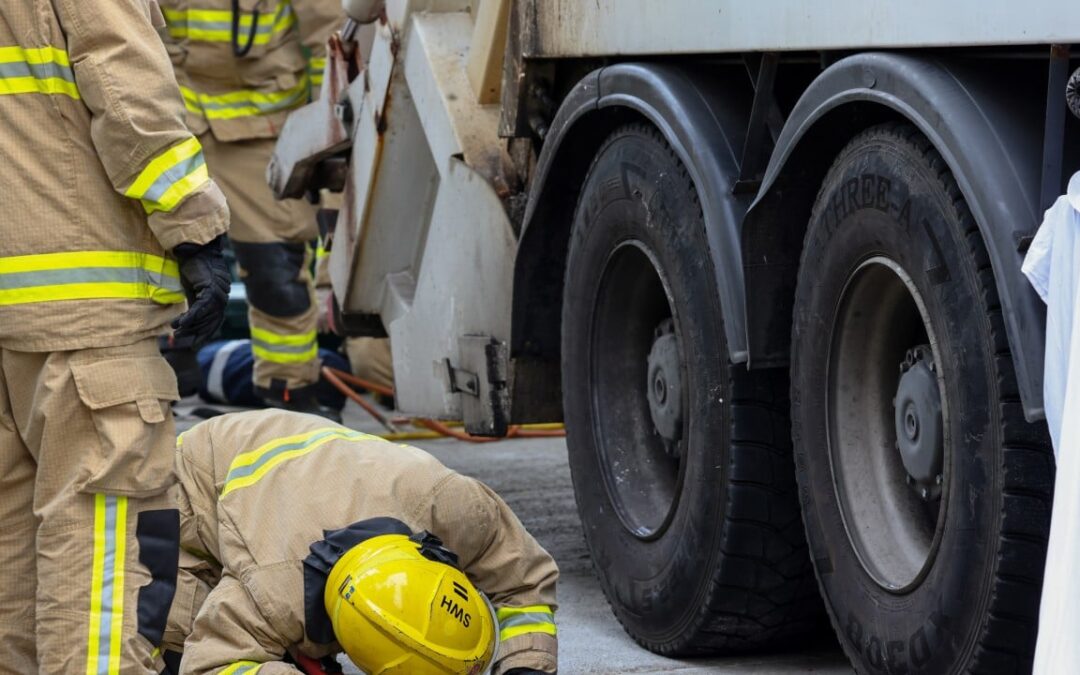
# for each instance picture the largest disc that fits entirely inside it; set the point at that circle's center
(1053, 267)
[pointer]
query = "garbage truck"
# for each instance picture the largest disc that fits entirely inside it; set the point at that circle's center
(764, 261)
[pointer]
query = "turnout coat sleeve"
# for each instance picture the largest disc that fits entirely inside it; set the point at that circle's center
(231, 635)
(501, 558)
(126, 81)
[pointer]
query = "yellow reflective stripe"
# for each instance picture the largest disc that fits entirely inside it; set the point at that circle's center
(215, 25)
(97, 571)
(99, 291)
(242, 668)
(42, 70)
(503, 613)
(284, 348)
(278, 357)
(170, 177)
(249, 467)
(514, 631)
(270, 337)
(246, 102)
(515, 621)
(77, 259)
(316, 66)
(37, 56)
(107, 585)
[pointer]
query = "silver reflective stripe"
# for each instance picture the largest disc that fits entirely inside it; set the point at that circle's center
(88, 275)
(174, 175)
(215, 379)
(108, 578)
(38, 71)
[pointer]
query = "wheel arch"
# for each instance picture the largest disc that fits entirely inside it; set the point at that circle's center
(991, 143)
(703, 117)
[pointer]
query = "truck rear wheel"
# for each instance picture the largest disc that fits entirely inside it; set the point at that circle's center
(926, 495)
(681, 460)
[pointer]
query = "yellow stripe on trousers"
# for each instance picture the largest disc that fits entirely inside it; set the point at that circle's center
(284, 348)
(107, 585)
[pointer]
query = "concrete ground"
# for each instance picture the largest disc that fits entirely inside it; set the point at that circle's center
(534, 479)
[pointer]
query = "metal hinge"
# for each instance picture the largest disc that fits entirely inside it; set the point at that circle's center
(480, 378)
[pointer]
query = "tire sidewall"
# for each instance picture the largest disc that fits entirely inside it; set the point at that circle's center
(884, 196)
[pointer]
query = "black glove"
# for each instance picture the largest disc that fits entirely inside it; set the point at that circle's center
(205, 276)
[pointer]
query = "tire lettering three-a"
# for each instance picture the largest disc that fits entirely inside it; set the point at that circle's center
(898, 657)
(867, 191)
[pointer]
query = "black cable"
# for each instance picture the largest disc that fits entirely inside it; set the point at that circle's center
(237, 49)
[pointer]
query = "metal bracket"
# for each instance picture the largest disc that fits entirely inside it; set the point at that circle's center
(462, 381)
(765, 121)
(481, 379)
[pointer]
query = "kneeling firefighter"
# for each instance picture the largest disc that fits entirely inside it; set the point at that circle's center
(243, 66)
(301, 537)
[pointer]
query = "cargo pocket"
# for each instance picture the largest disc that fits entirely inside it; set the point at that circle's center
(128, 400)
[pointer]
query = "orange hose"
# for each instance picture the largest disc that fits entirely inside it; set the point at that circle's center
(339, 378)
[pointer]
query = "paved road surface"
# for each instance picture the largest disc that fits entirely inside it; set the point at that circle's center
(533, 477)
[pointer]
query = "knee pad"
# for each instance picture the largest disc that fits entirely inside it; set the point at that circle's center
(273, 278)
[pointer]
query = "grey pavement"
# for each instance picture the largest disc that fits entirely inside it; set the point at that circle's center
(533, 477)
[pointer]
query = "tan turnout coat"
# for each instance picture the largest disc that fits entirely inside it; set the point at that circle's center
(248, 97)
(257, 489)
(101, 177)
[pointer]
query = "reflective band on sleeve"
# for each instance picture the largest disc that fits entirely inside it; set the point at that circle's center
(241, 667)
(170, 177)
(246, 103)
(87, 275)
(107, 585)
(247, 468)
(515, 621)
(46, 70)
(212, 25)
(277, 348)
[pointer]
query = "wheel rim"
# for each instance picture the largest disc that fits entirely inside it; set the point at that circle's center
(638, 390)
(887, 425)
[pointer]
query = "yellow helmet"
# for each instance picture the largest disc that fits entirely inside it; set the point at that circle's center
(395, 611)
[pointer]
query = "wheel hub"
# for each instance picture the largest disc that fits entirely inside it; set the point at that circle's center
(664, 386)
(918, 422)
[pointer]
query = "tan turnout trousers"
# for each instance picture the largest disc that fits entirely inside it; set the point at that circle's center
(283, 341)
(86, 451)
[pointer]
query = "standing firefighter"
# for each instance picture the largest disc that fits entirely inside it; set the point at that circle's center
(105, 188)
(243, 65)
(310, 538)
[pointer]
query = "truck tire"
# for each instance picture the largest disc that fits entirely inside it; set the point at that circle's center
(926, 495)
(681, 460)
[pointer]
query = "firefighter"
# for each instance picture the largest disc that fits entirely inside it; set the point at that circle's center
(243, 65)
(305, 537)
(108, 217)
